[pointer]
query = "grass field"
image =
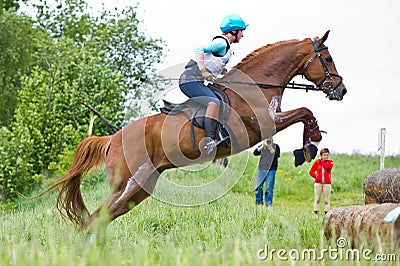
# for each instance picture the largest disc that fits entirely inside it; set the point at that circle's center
(228, 231)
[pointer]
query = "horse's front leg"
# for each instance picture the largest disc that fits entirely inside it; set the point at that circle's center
(304, 115)
(311, 134)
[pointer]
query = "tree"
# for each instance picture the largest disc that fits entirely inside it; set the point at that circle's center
(114, 36)
(18, 44)
(11, 5)
(97, 60)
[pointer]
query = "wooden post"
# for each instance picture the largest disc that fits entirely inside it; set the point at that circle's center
(90, 129)
(382, 147)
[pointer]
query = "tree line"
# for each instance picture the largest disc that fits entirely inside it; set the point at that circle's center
(52, 60)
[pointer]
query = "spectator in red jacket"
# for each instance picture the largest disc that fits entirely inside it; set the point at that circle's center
(321, 171)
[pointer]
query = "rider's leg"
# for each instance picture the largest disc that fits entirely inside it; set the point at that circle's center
(211, 120)
(210, 126)
(197, 91)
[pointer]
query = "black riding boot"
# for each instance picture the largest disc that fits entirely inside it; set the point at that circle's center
(210, 126)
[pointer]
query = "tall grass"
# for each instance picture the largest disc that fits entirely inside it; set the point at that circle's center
(228, 231)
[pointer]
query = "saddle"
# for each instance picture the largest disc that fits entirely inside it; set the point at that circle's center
(195, 111)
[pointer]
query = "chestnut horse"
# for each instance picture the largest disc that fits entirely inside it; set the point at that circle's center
(136, 155)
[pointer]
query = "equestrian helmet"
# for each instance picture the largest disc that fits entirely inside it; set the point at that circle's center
(232, 22)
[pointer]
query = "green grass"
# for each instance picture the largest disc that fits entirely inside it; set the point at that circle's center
(228, 231)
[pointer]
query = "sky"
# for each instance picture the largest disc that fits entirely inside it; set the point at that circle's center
(364, 42)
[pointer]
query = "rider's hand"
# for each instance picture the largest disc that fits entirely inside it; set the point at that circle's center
(207, 75)
(223, 71)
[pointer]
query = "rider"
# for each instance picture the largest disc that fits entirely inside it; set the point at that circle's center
(210, 61)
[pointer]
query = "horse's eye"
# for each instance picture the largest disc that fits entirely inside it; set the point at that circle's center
(328, 59)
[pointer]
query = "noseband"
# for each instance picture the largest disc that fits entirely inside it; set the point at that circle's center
(327, 85)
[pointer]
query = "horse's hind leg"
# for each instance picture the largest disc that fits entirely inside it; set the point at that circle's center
(125, 197)
(136, 190)
(141, 195)
(98, 222)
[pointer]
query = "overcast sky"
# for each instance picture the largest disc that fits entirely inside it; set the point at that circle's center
(364, 42)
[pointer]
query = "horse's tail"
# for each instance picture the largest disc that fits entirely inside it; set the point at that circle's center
(89, 153)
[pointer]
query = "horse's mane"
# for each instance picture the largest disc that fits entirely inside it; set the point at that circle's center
(266, 48)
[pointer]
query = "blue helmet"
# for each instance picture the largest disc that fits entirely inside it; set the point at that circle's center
(232, 22)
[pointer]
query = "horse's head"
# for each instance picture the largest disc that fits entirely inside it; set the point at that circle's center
(323, 72)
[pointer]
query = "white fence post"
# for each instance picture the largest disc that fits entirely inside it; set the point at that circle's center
(381, 147)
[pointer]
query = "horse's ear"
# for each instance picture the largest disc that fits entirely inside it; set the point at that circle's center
(323, 39)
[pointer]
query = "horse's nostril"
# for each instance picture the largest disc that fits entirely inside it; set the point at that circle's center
(344, 91)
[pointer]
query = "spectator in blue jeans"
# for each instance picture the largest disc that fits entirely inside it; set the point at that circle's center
(270, 152)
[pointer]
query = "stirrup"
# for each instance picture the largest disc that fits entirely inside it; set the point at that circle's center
(211, 146)
(225, 141)
(223, 133)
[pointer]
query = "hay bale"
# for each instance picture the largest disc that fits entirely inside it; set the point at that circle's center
(383, 186)
(362, 223)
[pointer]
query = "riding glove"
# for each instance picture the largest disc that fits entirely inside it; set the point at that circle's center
(207, 75)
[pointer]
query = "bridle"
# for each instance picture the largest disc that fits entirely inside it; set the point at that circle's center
(327, 84)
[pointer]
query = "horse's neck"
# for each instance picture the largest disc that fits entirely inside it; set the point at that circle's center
(271, 66)
(276, 65)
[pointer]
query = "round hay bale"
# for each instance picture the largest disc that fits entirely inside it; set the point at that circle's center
(362, 223)
(383, 186)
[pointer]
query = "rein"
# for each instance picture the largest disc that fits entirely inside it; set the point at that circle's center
(291, 85)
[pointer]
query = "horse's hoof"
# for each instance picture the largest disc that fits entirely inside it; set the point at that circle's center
(299, 158)
(310, 151)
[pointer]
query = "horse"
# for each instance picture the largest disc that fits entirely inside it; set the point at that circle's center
(136, 155)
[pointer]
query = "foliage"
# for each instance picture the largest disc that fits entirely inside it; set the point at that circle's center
(18, 43)
(16, 163)
(74, 57)
(10, 4)
(65, 18)
(114, 36)
(228, 231)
